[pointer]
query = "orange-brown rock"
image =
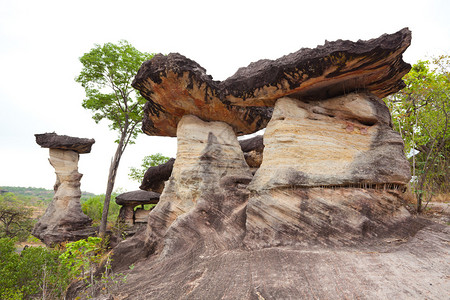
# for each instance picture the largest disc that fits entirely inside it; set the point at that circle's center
(176, 86)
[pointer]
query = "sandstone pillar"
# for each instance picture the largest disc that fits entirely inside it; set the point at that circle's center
(64, 220)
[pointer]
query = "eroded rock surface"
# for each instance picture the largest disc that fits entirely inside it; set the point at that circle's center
(209, 165)
(412, 265)
(341, 141)
(64, 220)
(64, 142)
(323, 216)
(176, 86)
(155, 177)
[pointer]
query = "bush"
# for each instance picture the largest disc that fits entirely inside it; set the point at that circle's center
(36, 272)
(93, 208)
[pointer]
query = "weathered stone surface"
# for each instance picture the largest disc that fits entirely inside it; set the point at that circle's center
(129, 200)
(411, 265)
(322, 218)
(208, 179)
(342, 141)
(175, 86)
(209, 160)
(139, 197)
(64, 142)
(155, 177)
(64, 220)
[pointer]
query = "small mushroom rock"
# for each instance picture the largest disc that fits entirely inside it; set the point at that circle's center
(130, 200)
(64, 220)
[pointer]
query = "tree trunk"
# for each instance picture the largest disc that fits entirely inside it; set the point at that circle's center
(110, 185)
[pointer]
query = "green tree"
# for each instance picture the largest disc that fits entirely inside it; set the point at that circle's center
(15, 218)
(107, 74)
(421, 113)
(147, 162)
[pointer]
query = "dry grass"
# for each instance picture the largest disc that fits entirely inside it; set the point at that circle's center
(444, 198)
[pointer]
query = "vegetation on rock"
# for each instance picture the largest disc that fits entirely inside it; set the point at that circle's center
(421, 114)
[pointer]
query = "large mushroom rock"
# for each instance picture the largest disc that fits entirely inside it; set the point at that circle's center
(175, 86)
(130, 200)
(332, 230)
(64, 220)
(155, 177)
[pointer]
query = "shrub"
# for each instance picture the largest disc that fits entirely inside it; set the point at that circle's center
(36, 272)
(15, 218)
(93, 208)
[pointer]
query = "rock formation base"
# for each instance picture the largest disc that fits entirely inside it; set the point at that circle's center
(64, 220)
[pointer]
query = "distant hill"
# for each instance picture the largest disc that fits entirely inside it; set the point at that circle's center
(35, 195)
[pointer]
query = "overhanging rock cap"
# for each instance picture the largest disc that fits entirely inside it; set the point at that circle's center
(64, 142)
(138, 197)
(175, 85)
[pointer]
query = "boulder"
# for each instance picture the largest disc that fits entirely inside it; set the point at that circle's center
(155, 177)
(64, 142)
(253, 151)
(176, 86)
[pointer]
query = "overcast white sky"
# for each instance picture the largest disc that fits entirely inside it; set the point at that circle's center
(41, 41)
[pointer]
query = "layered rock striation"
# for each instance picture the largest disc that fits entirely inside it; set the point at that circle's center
(64, 220)
(325, 204)
(155, 177)
(334, 170)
